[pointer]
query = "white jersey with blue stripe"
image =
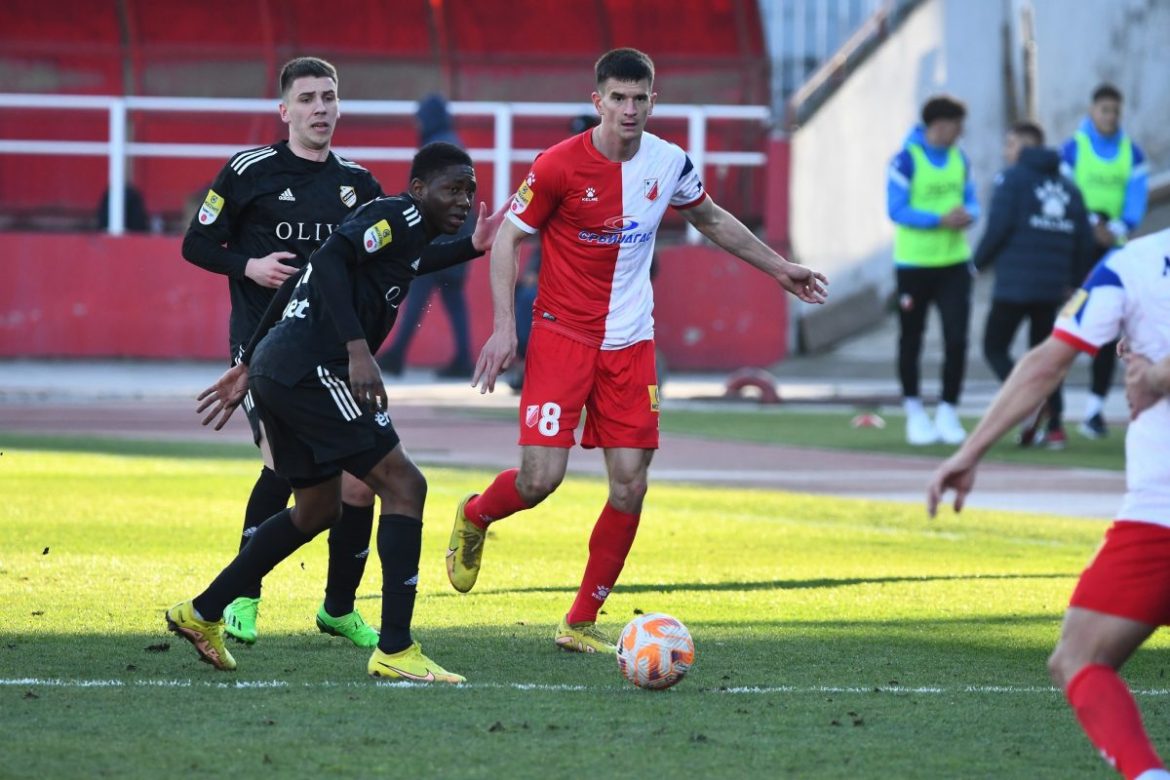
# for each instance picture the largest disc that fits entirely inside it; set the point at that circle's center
(1128, 294)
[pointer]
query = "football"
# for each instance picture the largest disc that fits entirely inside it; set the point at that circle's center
(655, 651)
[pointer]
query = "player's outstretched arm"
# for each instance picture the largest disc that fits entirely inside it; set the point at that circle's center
(717, 224)
(500, 349)
(1030, 383)
(224, 396)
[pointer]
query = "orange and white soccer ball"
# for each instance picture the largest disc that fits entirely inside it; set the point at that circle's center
(655, 651)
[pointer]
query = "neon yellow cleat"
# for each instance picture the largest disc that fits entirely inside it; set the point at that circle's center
(239, 619)
(465, 550)
(583, 638)
(411, 665)
(352, 627)
(207, 636)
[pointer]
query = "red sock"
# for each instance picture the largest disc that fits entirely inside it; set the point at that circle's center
(610, 543)
(1110, 718)
(497, 502)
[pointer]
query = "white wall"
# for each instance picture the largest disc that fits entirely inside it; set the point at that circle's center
(839, 158)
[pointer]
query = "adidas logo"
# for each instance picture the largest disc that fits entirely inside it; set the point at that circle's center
(287, 195)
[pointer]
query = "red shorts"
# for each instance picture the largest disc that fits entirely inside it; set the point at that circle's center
(618, 389)
(1129, 577)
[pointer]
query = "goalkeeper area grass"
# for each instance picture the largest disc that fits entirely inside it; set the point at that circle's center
(834, 638)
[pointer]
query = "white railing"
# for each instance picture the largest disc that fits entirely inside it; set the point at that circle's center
(501, 155)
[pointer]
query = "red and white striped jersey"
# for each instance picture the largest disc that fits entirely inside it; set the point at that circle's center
(598, 221)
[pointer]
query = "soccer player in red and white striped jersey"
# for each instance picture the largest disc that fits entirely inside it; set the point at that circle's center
(597, 200)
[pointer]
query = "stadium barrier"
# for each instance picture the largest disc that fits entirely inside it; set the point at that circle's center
(118, 148)
(98, 296)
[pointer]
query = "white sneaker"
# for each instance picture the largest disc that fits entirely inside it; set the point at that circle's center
(920, 430)
(946, 421)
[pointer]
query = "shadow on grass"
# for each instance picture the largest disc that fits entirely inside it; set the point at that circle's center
(98, 445)
(819, 583)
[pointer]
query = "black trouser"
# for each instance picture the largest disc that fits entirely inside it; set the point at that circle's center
(1003, 320)
(949, 289)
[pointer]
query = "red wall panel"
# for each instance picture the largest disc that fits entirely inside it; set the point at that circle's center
(90, 295)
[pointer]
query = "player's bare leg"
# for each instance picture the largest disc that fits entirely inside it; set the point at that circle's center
(1092, 647)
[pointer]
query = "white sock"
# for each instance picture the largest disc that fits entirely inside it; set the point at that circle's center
(944, 406)
(913, 406)
(1094, 405)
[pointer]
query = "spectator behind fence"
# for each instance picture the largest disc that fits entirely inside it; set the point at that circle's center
(434, 124)
(1037, 236)
(135, 218)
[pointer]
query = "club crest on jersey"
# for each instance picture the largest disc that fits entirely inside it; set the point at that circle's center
(377, 236)
(348, 196)
(212, 205)
(1075, 303)
(522, 198)
(650, 188)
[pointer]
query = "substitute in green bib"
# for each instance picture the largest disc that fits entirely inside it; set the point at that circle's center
(931, 200)
(1112, 174)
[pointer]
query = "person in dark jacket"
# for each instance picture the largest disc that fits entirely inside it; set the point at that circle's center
(1037, 236)
(434, 124)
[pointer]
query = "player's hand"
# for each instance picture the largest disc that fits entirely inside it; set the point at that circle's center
(224, 396)
(495, 357)
(956, 219)
(1138, 392)
(365, 381)
(954, 474)
(486, 227)
(268, 271)
(806, 284)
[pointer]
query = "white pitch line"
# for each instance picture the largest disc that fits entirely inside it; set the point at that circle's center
(43, 682)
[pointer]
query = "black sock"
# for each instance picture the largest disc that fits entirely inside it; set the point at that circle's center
(275, 539)
(349, 549)
(269, 495)
(399, 547)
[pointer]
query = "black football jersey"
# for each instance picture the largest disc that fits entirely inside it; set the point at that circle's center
(267, 200)
(380, 245)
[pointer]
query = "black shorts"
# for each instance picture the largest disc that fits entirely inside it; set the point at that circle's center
(253, 415)
(316, 429)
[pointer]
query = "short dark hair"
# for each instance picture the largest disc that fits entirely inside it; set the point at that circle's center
(624, 65)
(1029, 130)
(943, 107)
(434, 157)
(300, 67)
(1106, 92)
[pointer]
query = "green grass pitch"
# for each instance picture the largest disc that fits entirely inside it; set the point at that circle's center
(835, 638)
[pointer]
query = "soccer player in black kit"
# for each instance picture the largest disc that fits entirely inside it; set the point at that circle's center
(321, 399)
(267, 211)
